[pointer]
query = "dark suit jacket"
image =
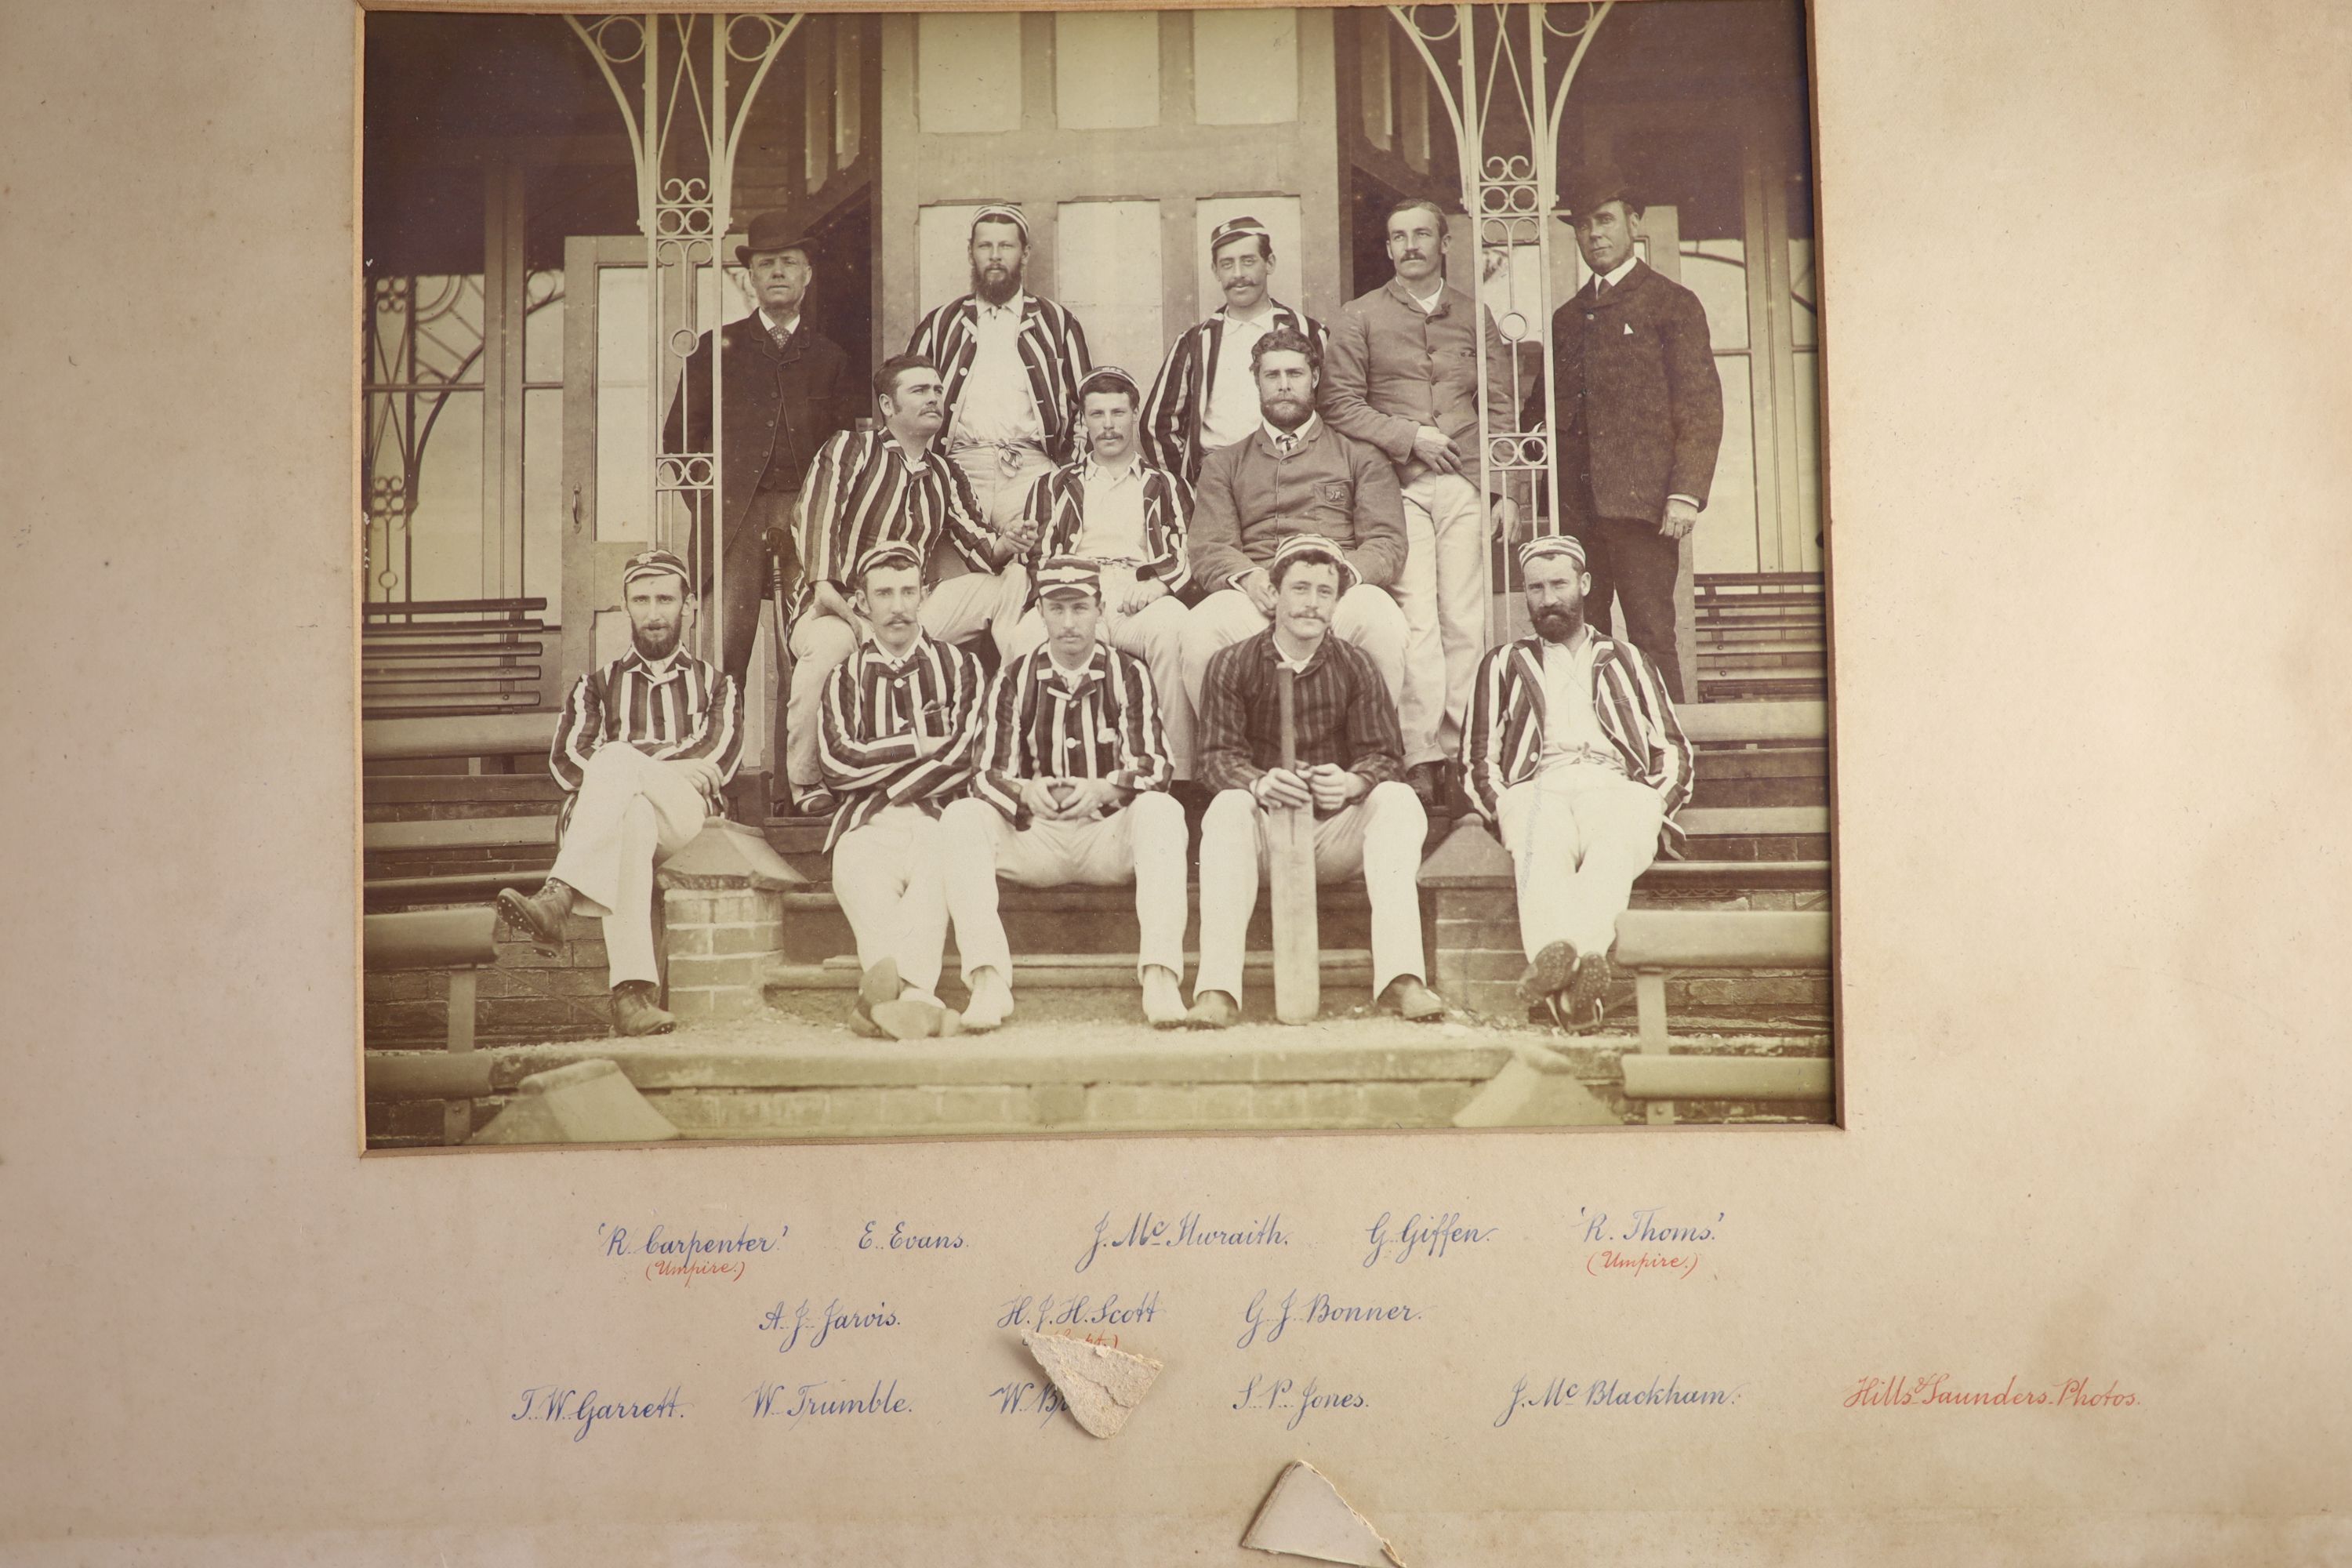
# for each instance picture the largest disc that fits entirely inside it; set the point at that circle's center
(781, 407)
(1640, 408)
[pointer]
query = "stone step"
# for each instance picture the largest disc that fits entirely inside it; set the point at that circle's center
(1066, 987)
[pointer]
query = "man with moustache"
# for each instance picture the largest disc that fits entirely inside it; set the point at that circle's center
(1206, 396)
(1640, 416)
(1012, 363)
(644, 749)
(787, 389)
(1349, 764)
(1403, 376)
(866, 488)
(1293, 475)
(1574, 754)
(1069, 785)
(1130, 518)
(900, 716)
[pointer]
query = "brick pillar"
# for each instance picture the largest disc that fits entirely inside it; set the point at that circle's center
(724, 909)
(1475, 899)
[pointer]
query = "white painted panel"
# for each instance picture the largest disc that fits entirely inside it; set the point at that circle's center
(968, 71)
(623, 436)
(943, 255)
(1244, 67)
(1107, 69)
(1110, 269)
(1280, 216)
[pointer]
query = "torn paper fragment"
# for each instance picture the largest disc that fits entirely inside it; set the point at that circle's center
(1101, 1385)
(1305, 1515)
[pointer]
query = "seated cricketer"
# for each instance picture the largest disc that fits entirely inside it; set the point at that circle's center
(1129, 517)
(1069, 785)
(1573, 752)
(1350, 769)
(1294, 475)
(897, 730)
(645, 748)
(869, 487)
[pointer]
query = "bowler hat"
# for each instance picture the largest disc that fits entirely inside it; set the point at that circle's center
(769, 232)
(1594, 186)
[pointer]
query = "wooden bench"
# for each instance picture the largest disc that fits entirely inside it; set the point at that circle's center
(1653, 944)
(521, 846)
(445, 658)
(460, 942)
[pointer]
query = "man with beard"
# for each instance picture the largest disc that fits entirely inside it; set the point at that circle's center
(1349, 762)
(1293, 475)
(901, 715)
(1640, 416)
(645, 747)
(1012, 363)
(1069, 785)
(1573, 752)
(866, 488)
(1404, 377)
(787, 389)
(1206, 396)
(1130, 518)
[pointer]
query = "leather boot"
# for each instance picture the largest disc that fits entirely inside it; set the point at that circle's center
(635, 1012)
(541, 915)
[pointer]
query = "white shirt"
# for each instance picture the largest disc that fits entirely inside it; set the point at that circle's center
(1112, 527)
(1299, 437)
(1428, 303)
(774, 326)
(1572, 732)
(1616, 274)
(996, 403)
(1231, 411)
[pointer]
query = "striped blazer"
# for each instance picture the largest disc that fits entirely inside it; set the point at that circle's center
(1057, 507)
(1504, 740)
(1053, 349)
(1106, 727)
(860, 492)
(870, 716)
(1178, 403)
(690, 709)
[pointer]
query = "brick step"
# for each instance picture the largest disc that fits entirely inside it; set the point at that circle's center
(1065, 987)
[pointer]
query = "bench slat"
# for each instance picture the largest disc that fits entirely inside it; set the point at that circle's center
(1651, 1076)
(489, 735)
(1723, 939)
(1740, 821)
(1727, 722)
(431, 939)
(460, 833)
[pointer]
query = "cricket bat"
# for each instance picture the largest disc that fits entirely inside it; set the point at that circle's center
(1290, 836)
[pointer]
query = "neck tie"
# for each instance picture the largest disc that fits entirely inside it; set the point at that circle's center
(1286, 443)
(782, 336)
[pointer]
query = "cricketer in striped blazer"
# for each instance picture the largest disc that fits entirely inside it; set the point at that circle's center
(1057, 510)
(879, 719)
(866, 489)
(1053, 351)
(1176, 409)
(689, 707)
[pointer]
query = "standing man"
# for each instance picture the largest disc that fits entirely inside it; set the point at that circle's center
(644, 750)
(900, 719)
(1404, 377)
(1574, 754)
(1070, 786)
(1640, 416)
(1206, 396)
(1293, 475)
(1350, 761)
(1129, 517)
(1012, 363)
(866, 488)
(787, 389)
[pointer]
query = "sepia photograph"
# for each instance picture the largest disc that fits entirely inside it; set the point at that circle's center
(954, 573)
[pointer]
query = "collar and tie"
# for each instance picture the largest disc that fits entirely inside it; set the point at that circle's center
(1286, 442)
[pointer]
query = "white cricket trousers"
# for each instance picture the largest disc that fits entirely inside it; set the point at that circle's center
(878, 876)
(952, 611)
(1367, 616)
(1578, 835)
(1443, 593)
(1156, 636)
(1002, 494)
(632, 812)
(1144, 841)
(1380, 835)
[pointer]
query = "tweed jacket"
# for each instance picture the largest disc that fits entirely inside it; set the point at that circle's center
(1057, 508)
(780, 406)
(1503, 742)
(1251, 498)
(1178, 403)
(1394, 368)
(1641, 407)
(1053, 349)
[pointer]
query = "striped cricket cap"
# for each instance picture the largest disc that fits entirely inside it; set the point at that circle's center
(890, 553)
(1546, 545)
(1235, 228)
(1001, 212)
(1110, 378)
(653, 564)
(1316, 547)
(1070, 574)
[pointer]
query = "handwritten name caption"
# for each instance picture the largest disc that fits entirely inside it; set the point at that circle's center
(799, 1327)
(898, 1238)
(1281, 1393)
(1080, 1311)
(1423, 1236)
(1940, 1390)
(1041, 1400)
(688, 1256)
(1145, 1229)
(796, 1403)
(1609, 1393)
(1646, 1244)
(1272, 1319)
(563, 1406)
